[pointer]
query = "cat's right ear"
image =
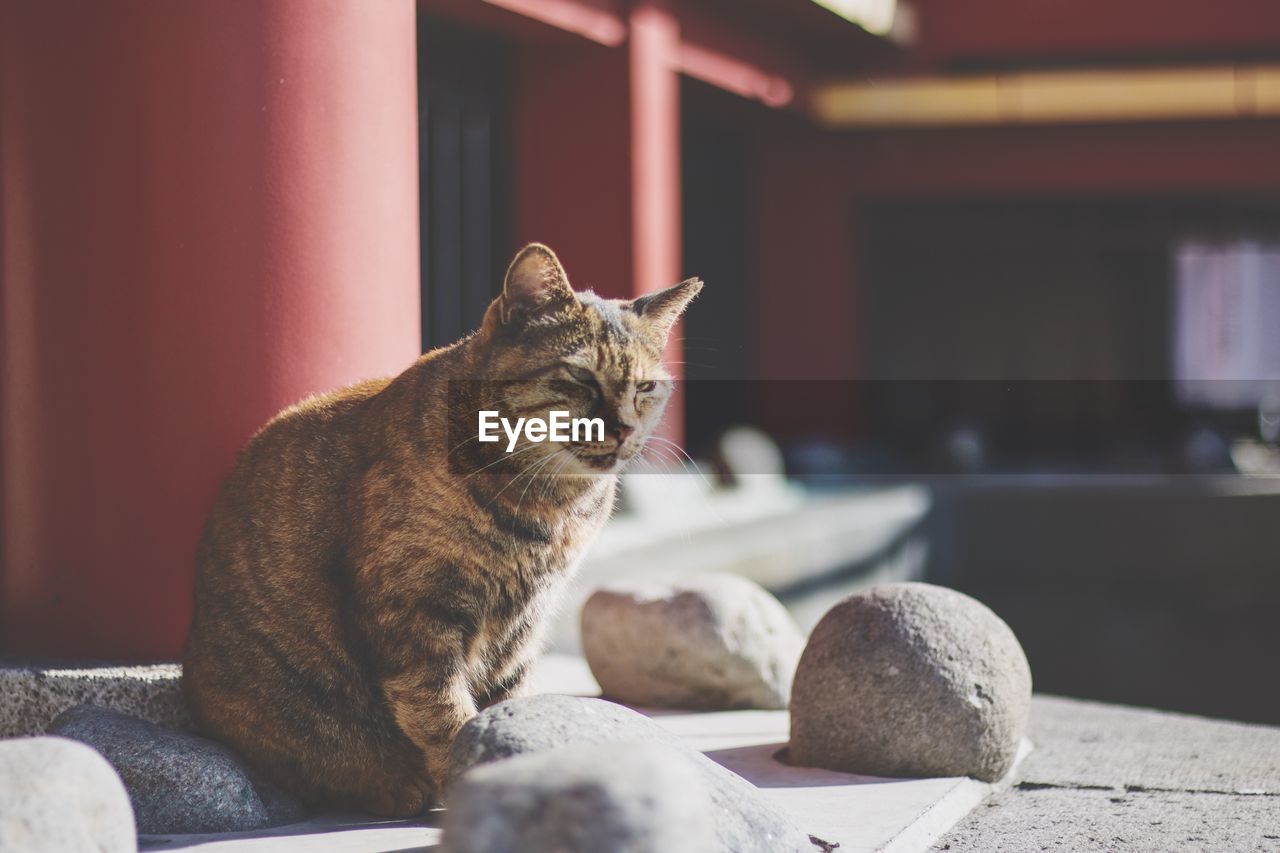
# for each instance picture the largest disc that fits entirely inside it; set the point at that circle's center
(535, 283)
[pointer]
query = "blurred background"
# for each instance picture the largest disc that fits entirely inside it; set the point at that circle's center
(993, 291)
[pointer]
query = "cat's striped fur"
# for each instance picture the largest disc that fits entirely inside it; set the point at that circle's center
(371, 575)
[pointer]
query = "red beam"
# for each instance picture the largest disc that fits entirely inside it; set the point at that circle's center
(600, 23)
(1020, 30)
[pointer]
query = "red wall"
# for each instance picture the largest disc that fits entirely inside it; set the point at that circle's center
(811, 184)
(209, 212)
(572, 160)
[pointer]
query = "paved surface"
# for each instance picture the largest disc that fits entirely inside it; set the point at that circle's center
(1101, 778)
(1104, 777)
(864, 814)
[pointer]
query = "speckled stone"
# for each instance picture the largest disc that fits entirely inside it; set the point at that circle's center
(31, 696)
(914, 680)
(178, 782)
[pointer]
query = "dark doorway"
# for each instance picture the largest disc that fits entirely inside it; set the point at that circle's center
(463, 127)
(1041, 327)
(719, 333)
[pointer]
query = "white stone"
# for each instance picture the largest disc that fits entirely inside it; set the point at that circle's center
(626, 797)
(57, 795)
(745, 821)
(709, 641)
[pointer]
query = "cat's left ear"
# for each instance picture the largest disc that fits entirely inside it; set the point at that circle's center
(663, 308)
(535, 282)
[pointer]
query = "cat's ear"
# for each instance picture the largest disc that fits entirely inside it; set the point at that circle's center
(535, 283)
(663, 308)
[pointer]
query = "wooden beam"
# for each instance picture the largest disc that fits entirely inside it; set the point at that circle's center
(1053, 97)
(599, 23)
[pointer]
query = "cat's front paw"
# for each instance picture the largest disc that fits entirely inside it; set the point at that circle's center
(403, 797)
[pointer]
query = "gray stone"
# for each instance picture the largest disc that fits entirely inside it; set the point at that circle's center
(745, 821)
(32, 695)
(57, 795)
(1107, 777)
(910, 680)
(704, 642)
(1091, 821)
(1089, 744)
(177, 782)
(636, 797)
(746, 456)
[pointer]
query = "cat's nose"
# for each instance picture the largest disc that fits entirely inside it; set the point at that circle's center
(622, 431)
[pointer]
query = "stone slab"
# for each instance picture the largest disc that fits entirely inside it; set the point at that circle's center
(1080, 821)
(333, 833)
(31, 696)
(1107, 777)
(1091, 744)
(862, 813)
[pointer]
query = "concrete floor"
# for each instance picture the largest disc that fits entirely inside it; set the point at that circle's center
(1110, 778)
(1101, 778)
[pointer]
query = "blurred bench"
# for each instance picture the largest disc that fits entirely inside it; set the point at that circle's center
(809, 548)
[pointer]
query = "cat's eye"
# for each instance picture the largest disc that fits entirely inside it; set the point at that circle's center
(646, 386)
(581, 374)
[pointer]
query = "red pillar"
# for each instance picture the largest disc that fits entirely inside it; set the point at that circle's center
(598, 175)
(655, 172)
(209, 211)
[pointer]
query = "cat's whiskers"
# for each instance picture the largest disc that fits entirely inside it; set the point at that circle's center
(471, 438)
(503, 458)
(459, 445)
(681, 451)
(515, 514)
(666, 455)
(526, 470)
(566, 458)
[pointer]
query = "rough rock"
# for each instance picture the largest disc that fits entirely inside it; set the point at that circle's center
(59, 795)
(177, 782)
(703, 642)
(745, 822)
(32, 695)
(910, 680)
(633, 797)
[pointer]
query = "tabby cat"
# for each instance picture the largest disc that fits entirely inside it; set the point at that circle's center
(371, 574)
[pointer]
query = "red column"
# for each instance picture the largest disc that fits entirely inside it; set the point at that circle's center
(209, 211)
(655, 172)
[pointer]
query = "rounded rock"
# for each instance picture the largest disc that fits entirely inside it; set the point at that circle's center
(745, 821)
(703, 642)
(177, 782)
(61, 795)
(621, 797)
(911, 680)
